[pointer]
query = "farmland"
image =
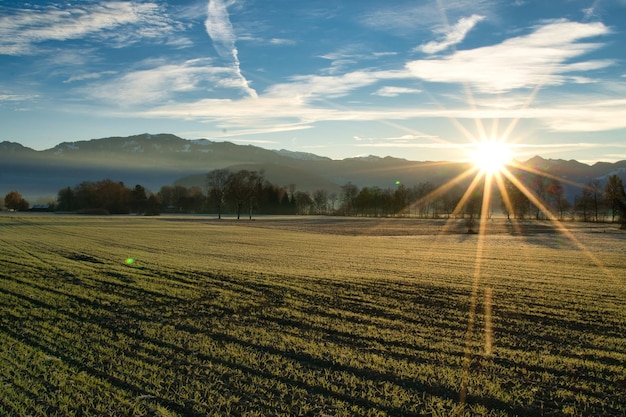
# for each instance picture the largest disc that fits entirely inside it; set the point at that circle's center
(311, 316)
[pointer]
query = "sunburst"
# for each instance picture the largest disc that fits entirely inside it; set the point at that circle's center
(491, 156)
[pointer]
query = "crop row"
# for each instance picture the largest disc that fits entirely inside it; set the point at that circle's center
(214, 320)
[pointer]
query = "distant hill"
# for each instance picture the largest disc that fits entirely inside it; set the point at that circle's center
(165, 159)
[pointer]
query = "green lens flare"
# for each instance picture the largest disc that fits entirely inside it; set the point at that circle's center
(130, 261)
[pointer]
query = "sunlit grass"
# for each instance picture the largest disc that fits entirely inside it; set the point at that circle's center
(221, 319)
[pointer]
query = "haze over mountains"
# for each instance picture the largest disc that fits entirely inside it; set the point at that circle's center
(165, 159)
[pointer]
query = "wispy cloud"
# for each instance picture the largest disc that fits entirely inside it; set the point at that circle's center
(347, 57)
(88, 76)
(290, 112)
(21, 31)
(409, 140)
(544, 56)
(17, 97)
(179, 42)
(595, 116)
(282, 41)
(540, 58)
(451, 35)
(590, 12)
(322, 87)
(390, 91)
(220, 30)
(405, 19)
(159, 83)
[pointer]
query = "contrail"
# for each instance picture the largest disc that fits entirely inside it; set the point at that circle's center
(221, 32)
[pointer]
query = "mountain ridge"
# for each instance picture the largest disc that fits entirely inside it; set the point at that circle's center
(154, 160)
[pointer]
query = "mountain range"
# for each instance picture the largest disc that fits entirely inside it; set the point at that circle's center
(165, 159)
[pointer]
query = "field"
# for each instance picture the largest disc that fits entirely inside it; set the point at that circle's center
(310, 316)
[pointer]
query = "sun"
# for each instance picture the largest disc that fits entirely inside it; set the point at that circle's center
(491, 156)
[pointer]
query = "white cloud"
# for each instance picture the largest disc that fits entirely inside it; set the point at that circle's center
(594, 116)
(220, 30)
(179, 42)
(160, 83)
(383, 54)
(346, 57)
(17, 97)
(280, 41)
(404, 19)
(452, 35)
(88, 76)
(314, 87)
(392, 144)
(541, 58)
(390, 91)
(404, 141)
(23, 29)
(281, 113)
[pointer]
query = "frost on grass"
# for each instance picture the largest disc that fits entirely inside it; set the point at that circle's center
(295, 319)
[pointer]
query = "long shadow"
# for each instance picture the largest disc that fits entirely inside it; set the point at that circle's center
(152, 297)
(126, 315)
(564, 378)
(546, 321)
(424, 296)
(50, 408)
(95, 372)
(361, 342)
(306, 361)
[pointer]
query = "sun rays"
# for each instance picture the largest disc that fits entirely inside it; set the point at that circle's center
(494, 176)
(491, 156)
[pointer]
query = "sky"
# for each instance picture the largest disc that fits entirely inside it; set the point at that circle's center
(421, 80)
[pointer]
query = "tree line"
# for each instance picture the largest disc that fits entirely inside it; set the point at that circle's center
(238, 192)
(247, 192)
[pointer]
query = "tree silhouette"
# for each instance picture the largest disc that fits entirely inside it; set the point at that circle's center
(14, 201)
(138, 199)
(349, 192)
(556, 197)
(320, 198)
(66, 199)
(217, 182)
(519, 202)
(595, 192)
(539, 186)
(615, 194)
(243, 189)
(583, 204)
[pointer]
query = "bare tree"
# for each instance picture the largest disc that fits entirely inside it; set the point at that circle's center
(519, 202)
(614, 194)
(332, 201)
(539, 186)
(557, 199)
(348, 197)
(304, 202)
(320, 198)
(450, 199)
(472, 210)
(583, 204)
(243, 189)
(217, 182)
(595, 192)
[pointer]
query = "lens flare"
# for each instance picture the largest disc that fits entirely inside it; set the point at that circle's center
(129, 261)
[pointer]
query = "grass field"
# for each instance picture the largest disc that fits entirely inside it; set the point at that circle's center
(312, 316)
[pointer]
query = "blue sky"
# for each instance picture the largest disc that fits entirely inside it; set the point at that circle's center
(413, 79)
